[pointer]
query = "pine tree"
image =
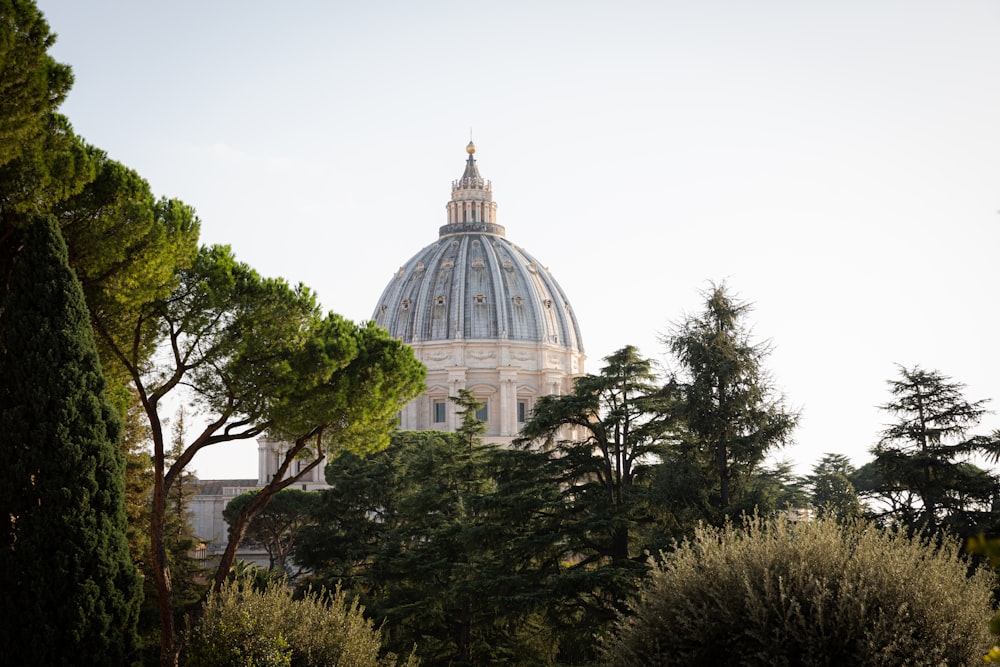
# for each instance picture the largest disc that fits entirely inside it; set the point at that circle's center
(732, 416)
(70, 591)
(926, 460)
(600, 446)
(831, 489)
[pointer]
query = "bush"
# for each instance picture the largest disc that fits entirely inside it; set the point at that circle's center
(242, 626)
(774, 593)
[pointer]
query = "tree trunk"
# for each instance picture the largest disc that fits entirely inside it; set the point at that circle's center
(238, 531)
(161, 570)
(722, 465)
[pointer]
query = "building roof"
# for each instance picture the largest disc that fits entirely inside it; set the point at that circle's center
(216, 487)
(474, 284)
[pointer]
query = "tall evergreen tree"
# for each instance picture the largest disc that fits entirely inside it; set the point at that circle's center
(600, 446)
(925, 461)
(70, 590)
(731, 414)
(831, 490)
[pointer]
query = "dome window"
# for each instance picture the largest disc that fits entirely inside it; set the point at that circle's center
(420, 266)
(518, 300)
(508, 265)
(439, 300)
(548, 303)
(478, 263)
(447, 264)
(405, 304)
(480, 299)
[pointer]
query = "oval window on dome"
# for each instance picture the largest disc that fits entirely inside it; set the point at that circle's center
(478, 263)
(480, 299)
(405, 304)
(439, 300)
(518, 300)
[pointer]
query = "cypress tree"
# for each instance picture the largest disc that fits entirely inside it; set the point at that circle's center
(69, 593)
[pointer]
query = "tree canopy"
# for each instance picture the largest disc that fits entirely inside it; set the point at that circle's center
(277, 526)
(925, 469)
(256, 356)
(731, 415)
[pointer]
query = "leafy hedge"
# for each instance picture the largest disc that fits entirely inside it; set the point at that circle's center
(773, 592)
(245, 627)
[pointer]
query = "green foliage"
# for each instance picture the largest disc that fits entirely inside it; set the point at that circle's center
(600, 445)
(255, 356)
(32, 83)
(730, 414)
(243, 626)
(771, 592)
(126, 248)
(990, 548)
(186, 572)
(66, 573)
(427, 534)
(277, 526)
(926, 477)
(831, 490)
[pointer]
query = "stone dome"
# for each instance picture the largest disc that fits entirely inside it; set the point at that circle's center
(473, 284)
(482, 315)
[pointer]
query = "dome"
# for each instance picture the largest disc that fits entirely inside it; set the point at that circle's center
(474, 284)
(482, 315)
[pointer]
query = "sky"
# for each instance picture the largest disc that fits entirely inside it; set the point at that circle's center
(836, 164)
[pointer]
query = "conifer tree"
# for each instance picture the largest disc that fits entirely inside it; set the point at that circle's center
(70, 590)
(731, 415)
(926, 460)
(831, 489)
(601, 446)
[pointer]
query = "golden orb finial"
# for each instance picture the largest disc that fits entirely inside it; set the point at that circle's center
(471, 148)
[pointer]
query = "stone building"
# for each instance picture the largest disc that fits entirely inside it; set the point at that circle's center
(482, 314)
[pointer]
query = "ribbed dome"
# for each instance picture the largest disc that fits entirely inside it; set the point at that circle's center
(474, 284)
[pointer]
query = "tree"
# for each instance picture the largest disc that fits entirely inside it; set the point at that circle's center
(831, 490)
(256, 356)
(430, 535)
(66, 573)
(32, 83)
(601, 444)
(41, 160)
(187, 573)
(731, 416)
(126, 248)
(276, 528)
(926, 460)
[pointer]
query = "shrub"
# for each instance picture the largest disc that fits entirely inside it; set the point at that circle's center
(244, 626)
(772, 592)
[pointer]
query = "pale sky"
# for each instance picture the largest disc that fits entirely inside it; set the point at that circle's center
(836, 163)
